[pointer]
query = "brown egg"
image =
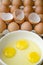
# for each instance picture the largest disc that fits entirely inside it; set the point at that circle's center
(4, 8)
(13, 8)
(2, 26)
(6, 2)
(26, 26)
(39, 28)
(41, 16)
(39, 10)
(16, 3)
(28, 9)
(38, 2)
(19, 16)
(28, 2)
(13, 27)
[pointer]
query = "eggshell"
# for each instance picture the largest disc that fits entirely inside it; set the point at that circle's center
(39, 28)
(6, 2)
(13, 8)
(13, 27)
(38, 2)
(34, 18)
(17, 3)
(41, 16)
(19, 16)
(28, 9)
(2, 26)
(28, 2)
(26, 26)
(4, 8)
(7, 17)
(39, 9)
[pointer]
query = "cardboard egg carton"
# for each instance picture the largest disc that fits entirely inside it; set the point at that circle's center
(6, 31)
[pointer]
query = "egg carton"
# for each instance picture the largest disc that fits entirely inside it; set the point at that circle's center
(6, 31)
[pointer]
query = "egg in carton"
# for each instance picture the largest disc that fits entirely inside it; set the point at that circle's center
(34, 19)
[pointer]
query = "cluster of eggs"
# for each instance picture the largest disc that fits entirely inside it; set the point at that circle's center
(16, 14)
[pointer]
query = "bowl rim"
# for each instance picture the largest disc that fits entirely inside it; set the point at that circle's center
(25, 32)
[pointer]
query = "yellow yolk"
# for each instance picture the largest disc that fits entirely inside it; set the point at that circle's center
(9, 52)
(33, 57)
(22, 44)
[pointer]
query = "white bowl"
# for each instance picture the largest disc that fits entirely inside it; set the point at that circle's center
(21, 34)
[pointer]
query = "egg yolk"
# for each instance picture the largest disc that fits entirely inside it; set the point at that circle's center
(9, 52)
(33, 57)
(22, 44)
